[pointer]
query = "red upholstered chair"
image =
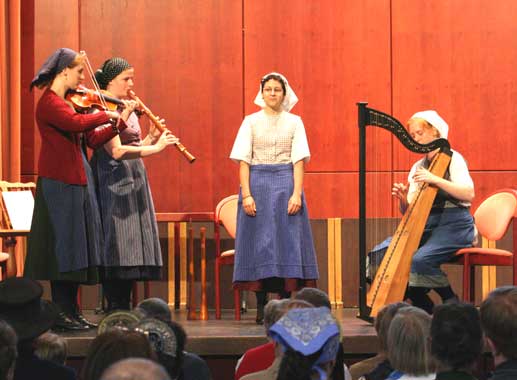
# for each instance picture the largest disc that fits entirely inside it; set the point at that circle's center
(493, 217)
(226, 216)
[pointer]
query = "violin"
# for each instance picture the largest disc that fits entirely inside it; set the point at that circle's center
(84, 99)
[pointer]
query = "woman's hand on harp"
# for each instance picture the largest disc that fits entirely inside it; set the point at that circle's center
(400, 191)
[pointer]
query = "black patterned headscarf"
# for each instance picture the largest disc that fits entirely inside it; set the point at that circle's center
(109, 70)
(54, 64)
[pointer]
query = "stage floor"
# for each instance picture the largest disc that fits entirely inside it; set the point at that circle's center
(227, 337)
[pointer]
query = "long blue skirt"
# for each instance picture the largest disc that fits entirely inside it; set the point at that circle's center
(65, 240)
(446, 231)
(273, 244)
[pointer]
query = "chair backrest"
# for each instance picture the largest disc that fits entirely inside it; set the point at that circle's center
(226, 214)
(495, 213)
(6, 221)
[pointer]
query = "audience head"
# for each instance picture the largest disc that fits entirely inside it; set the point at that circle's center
(135, 369)
(408, 342)
(499, 322)
(315, 296)
(8, 351)
(155, 308)
(22, 307)
(168, 341)
(310, 339)
(51, 347)
(456, 337)
(383, 320)
(112, 346)
(274, 310)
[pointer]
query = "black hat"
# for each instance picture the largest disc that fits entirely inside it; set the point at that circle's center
(22, 307)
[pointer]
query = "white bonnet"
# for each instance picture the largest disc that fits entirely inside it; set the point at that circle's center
(290, 98)
(435, 120)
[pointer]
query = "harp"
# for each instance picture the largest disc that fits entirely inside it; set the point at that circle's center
(391, 279)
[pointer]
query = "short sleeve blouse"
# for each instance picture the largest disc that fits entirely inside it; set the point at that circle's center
(271, 139)
(458, 173)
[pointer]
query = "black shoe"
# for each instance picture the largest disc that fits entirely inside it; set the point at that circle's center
(83, 321)
(66, 322)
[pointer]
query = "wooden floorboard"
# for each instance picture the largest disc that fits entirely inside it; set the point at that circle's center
(227, 337)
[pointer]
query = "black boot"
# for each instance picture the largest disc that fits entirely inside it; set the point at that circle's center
(79, 317)
(420, 299)
(66, 322)
(261, 303)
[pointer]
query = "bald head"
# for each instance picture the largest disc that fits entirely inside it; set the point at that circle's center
(135, 369)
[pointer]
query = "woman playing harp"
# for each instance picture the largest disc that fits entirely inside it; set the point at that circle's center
(449, 226)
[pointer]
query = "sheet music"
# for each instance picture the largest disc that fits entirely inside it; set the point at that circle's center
(19, 205)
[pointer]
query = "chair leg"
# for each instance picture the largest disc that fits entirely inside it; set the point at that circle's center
(466, 278)
(217, 291)
(472, 284)
(237, 304)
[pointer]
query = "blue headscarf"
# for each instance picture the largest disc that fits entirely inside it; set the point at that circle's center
(54, 64)
(308, 331)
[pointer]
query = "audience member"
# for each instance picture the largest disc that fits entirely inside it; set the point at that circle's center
(378, 367)
(182, 365)
(8, 351)
(112, 346)
(22, 307)
(408, 345)
(135, 369)
(315, 296)
(499, 323)
(456, 341)
(309, 339)
(155, 308)
(261, 357)
(51, 347)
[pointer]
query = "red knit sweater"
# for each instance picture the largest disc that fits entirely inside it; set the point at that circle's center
(60, 156)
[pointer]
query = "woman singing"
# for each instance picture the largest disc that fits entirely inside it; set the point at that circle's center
(274, 247)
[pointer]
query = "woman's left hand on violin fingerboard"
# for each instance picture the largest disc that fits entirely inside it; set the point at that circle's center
(130, 106)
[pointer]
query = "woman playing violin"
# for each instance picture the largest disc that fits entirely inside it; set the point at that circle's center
(65, 238)
(131, 245)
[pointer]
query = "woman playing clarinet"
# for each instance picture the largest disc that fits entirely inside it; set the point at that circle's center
(131, 244)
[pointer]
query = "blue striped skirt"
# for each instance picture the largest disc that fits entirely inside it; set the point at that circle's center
(273, 244)
(131, 241)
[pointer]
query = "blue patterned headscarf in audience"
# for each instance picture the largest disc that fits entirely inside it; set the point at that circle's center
(308, 331)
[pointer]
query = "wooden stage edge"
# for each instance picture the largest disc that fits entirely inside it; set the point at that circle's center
(226, 337)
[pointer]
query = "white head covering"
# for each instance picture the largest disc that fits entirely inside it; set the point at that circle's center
(290, 98)
(435, 120)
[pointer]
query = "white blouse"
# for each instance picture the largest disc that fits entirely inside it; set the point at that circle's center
(458, 173)
(271, 139)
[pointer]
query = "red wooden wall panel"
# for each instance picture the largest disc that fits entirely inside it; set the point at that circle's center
(198, 64)
(458, 57)
(54, 26)
(322, 49)
(188, 70)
